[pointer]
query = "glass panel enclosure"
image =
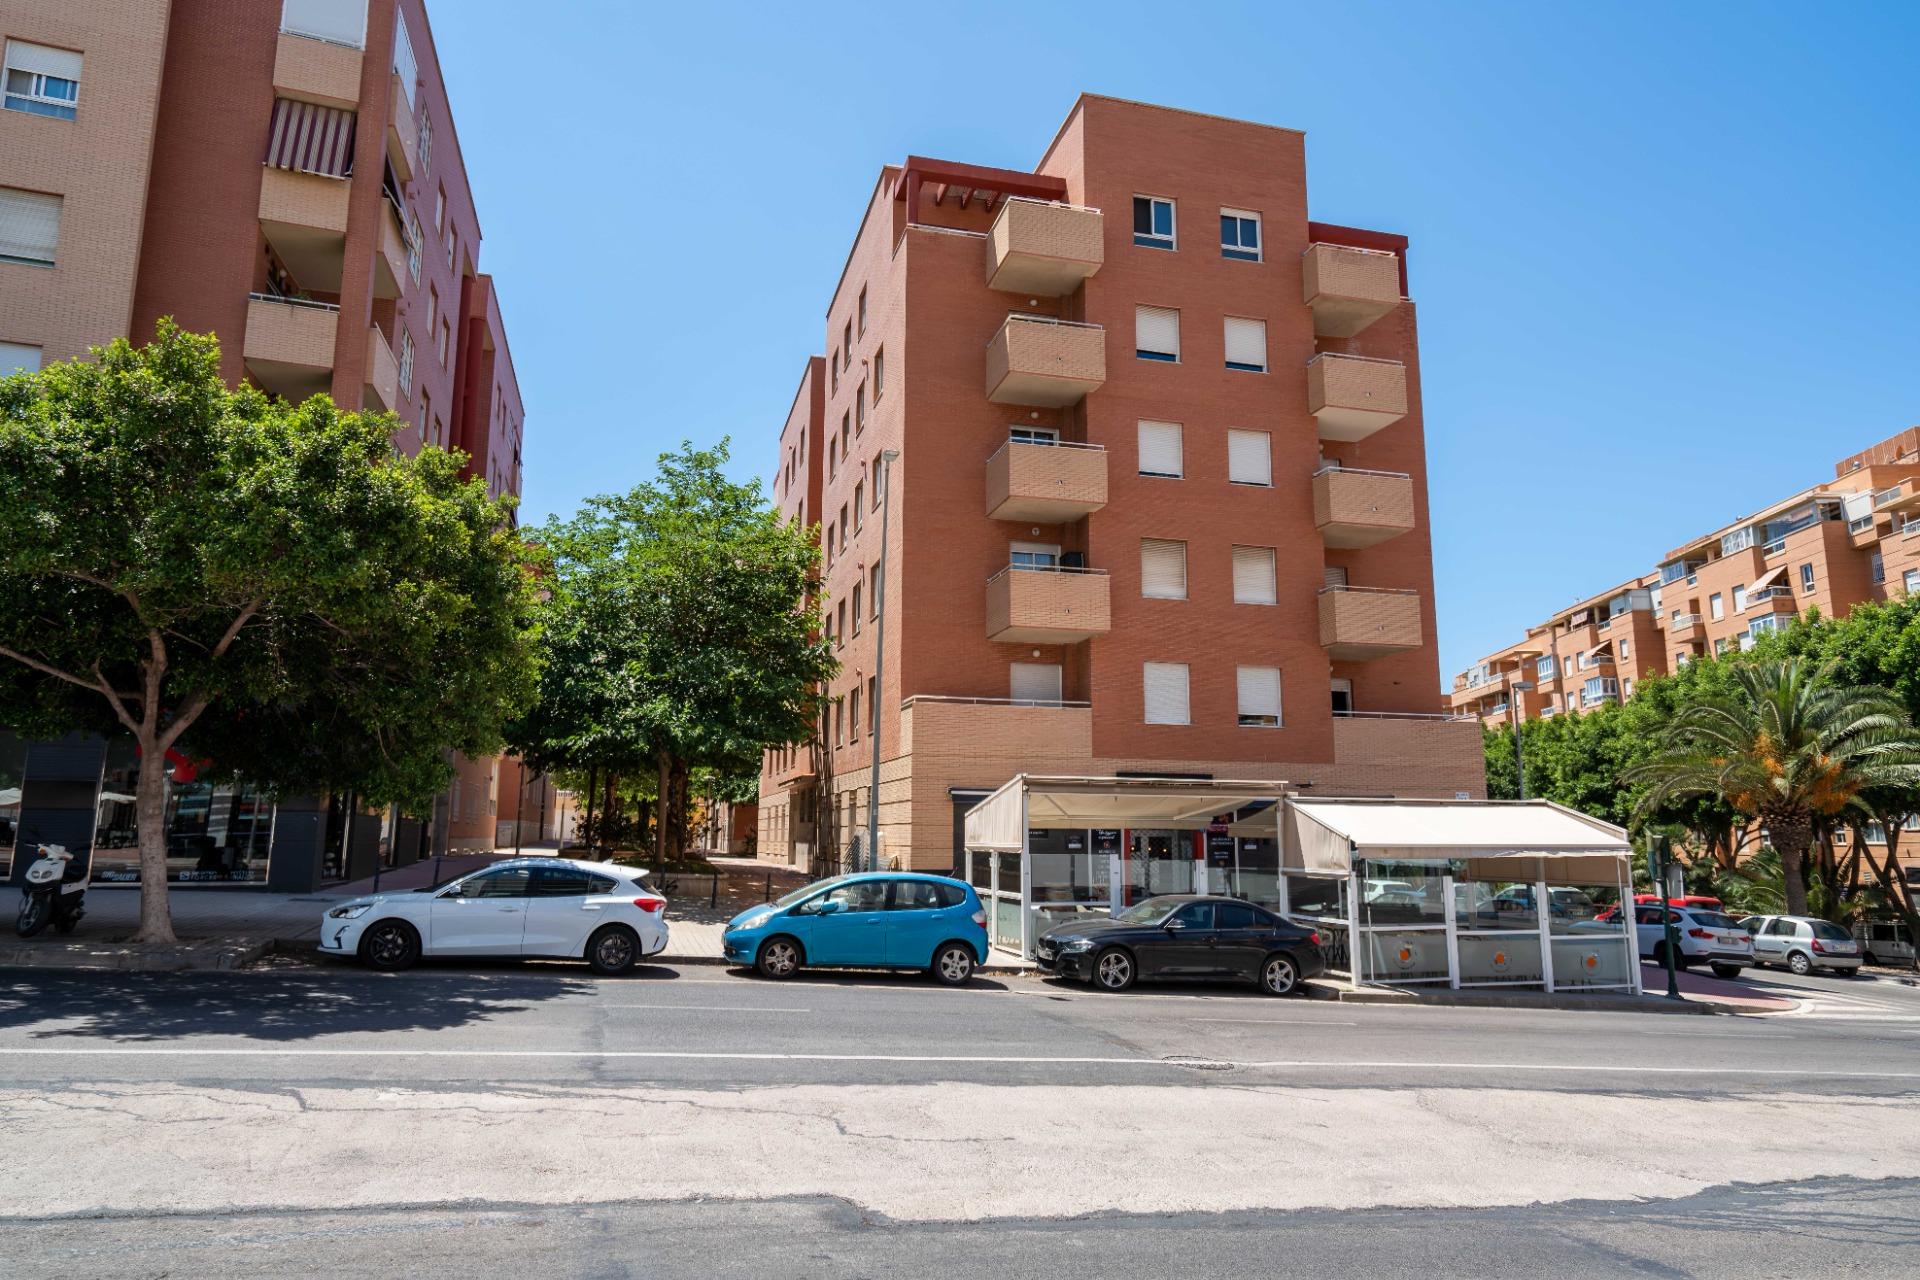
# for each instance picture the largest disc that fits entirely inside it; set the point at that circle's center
(1589, 952)
(1157, 862)
(13, 770)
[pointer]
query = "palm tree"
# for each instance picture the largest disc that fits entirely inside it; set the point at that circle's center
(1784, 747)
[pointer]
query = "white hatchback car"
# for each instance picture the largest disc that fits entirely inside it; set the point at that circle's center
(553, 907)
(1717, 939)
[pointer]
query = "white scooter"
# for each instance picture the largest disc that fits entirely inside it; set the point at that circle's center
(48, 896)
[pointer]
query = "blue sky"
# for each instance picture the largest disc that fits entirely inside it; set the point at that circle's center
(1665, 255)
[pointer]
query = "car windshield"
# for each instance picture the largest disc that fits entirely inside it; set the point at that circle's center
(1714, 920)
(807, 891)
(1830, 931)
(1152, 911)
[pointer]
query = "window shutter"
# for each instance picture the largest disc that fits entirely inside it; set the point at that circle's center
(1160, 449)
(41, 60)
(341, 21)
(1250, 457)
(1034, 681)
(17, 357)
(1163, 569)
(1166, 692)
(311, 139)
(1253, 576)
(1157, 329)
(1247, 342)
(1336, 576)
(1260, 692)
(404, 64)
(29, 225)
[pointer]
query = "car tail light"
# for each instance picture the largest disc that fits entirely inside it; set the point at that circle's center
(1746, 939)
(1314, 938)
(1698, 933)
(651, 904)
(980, 918)
(1817, 948)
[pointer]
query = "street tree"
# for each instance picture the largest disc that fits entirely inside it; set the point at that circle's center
(266, 589)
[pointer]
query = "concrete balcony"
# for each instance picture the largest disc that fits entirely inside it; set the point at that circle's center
(289, 345)
(390, 271)
(1351, 397)
(1360, 508)
(1358, 623)
(1047, 606)
(383, 374)
(1046, 483)
(1037, 360)
(1043, 249)
(1348, 288)
(313, 70)
(1687, 627)
(403, 132)
(304, 217)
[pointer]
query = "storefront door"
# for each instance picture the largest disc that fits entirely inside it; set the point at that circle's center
(1157, 862)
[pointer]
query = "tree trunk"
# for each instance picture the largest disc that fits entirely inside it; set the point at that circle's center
(661, 812)
(150, 809)
(677, 777)
(1792, 835)
(586, 823)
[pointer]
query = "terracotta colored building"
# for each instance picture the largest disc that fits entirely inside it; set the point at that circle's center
(286, 174)
(1159, 505)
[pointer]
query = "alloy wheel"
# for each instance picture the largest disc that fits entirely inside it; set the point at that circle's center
(780, 959)
(955, 965)
(1279, 976)
(1115, 970)
(388, 945)
(1799, 964)
(614, 950)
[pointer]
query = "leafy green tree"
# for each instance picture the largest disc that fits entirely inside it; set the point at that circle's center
(1786, 747)
(262, 586)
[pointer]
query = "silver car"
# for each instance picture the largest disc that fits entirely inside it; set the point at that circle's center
(1802, 944)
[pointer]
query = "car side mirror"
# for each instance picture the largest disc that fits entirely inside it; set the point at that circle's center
(829, 908)
(1173, 926)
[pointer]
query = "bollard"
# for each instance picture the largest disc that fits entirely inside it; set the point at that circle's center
(713, 896)
(767, 893)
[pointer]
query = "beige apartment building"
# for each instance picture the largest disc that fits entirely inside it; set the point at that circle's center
(1159, 505)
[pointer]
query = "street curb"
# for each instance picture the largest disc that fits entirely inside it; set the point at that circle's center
(1582, 1004)
(209, 954)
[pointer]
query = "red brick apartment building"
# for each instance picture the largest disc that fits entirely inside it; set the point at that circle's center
(1159, 506)
(286, 174)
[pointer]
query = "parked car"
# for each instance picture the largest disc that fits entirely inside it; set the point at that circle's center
(1887, 942)
(1802, 944)
(1719, 940)
(877, 920)
(551, 907)
(1565, 901)
(1700, 900)
(1184, 936)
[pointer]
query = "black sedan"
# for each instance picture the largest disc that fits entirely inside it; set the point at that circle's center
(1184, 936)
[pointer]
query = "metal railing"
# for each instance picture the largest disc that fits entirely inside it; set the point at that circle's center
(310, 303)
(1682, 621)
(1447, 717)
(1379, 591)
(1347, 355)
(1334, 468)
(1769, 593)
(1028, 317)
(1045, 444)
(955, 700)
(1045, 568)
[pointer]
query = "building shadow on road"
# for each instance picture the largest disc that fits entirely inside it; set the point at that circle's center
(288, 1006)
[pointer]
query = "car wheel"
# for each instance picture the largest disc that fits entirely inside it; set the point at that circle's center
(1726, 971)
(1660, 954)
(389, 945)
(779, 958)
(1683, 961)
(1800, 964)
(1279, 977)
(613, 949)
(1868, 958)
(953, 964)
(1113, 969)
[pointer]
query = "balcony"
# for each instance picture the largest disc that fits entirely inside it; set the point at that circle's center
(1043, 249)
(1047, 606)
(390, 271)
(1037, 360)
(304, 218)
(1354, 396)
(383, 374)
(1360, 508)
(403, 132)
(289, 345)
(1046, 483)
(1774, 599)
(1348, 288)
(1686, 626)
(1904, 496)
(1358, 623)
(315, 70)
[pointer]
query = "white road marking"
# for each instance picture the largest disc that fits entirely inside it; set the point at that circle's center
(1275, 1022)
(710, 1008)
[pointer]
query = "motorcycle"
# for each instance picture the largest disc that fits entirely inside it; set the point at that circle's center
(51, 894)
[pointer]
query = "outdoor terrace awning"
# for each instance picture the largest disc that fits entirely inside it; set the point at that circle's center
(1768, 579)
(1000, 822)
(1527, 839)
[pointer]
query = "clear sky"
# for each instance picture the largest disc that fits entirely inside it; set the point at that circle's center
(1665, 255)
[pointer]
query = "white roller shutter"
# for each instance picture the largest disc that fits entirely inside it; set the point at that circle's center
(1253, 577)
(17, 357)
(1157, 330)
(37, 58)
(1336, 576)
(29, 225)
(1259, 695)
(1160, 449)
(1163, 569)
(1166, 692)
(1247, 343)
(1250, 457)
(1034, 681)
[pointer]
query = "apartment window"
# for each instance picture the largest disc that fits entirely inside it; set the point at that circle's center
(1911, 581)
(426, 415)
(1246, 345)
(1739, 599)
(433, 307)
(1543, 668)
(846, 345)
(1334, 577)
(1153, 222)
(840, 626)
(833, 373)
(1567, 665)
(873, 706)
(1720, 646)
(42, 81)
(406, 359)
(879, 374)
(1165, 688)
(853, 715)
(846, 434)
(878, 463)
(414, 241)
(859, 510)
(1259, 697)
(873, 591)
(1163, 569)
(860, 407)
(440, 438)
(1033, 435)
(1161, 454)
(18, 357)
(1240, 235)
(1250, 458)
(839, 723)
(445, 340)
(863, 311)
(440, 211)
(1716, 607)
(1806, 578)
(29, 227)
(1156, 333)
(1625, 651)
(856, 608)
(404, 64)
(1878, 568)
(1253, 576)
(426, 143)
(1342, 696)
(843, 527)
(336, 21)
(829, 546)
(1033, 555)
(1033, 681)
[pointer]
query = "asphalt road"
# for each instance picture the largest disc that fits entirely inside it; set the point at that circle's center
(702, 1122)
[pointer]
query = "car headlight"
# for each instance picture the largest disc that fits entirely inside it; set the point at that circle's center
(352, 911)
(752, 922)
(1077, 944)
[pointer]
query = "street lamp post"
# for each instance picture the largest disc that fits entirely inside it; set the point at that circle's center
(1661, 855)
(1518, 687)
(885, 481)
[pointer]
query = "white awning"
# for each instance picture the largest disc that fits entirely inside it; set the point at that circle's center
(1000, 822)
(1767, 579)
(1530, 839)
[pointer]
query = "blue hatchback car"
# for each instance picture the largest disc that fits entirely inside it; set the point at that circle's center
(876, 920)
